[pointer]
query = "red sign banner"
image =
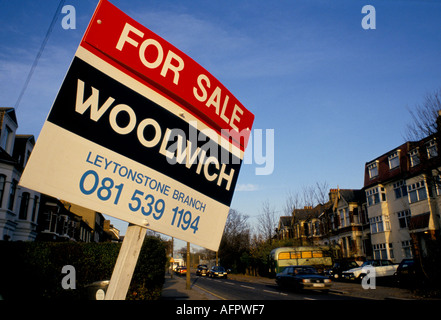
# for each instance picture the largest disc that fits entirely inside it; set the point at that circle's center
(137, 51)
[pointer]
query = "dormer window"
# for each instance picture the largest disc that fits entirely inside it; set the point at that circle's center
(432, 150)
(394, 160)
(414, 157)
(7, 139)
(373, 169)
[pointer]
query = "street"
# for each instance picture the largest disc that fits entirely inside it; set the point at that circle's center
(229, 289)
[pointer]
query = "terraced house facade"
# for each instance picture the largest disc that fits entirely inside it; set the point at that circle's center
(396, 215)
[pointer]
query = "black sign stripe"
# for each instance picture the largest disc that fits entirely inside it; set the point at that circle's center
(101, 132)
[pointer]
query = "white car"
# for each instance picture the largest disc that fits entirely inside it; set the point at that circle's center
(382, 268)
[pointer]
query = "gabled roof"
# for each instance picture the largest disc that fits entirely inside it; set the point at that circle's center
(10, 112)
(310, 212)
(352, 195)
(285, 221)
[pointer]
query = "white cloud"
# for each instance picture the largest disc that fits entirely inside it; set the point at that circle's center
(247, 187)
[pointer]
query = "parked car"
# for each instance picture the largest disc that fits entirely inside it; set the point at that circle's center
(217, 272)
(409, 273)
(382, 268)
(181, 270)
(303, 277)
(338, 267)
(202, 270)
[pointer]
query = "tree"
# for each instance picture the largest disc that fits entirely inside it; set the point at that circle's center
(267, 222)
(321, 192)
(424, 117)
(235, 243)
(292, 202)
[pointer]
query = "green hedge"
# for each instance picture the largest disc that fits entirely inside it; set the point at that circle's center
(32, 270)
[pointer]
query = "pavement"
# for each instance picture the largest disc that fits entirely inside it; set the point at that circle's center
(175, 289)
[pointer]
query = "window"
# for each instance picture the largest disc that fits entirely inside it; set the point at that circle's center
(417, 191)
(316, 228)
(342, 217)
(391, 251)
(373, 170)
(12, 194)
(34, 208)
(377, 224)
(400, 189)
(432, 150)
(407, 248)
(380, 251)
(306, 254)
(404, 218)
(394, 160)
(373, 196)
(414, 158)
(7, 139)
(2, 187)
(23, 213)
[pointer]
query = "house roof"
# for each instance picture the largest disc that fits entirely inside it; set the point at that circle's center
(352, 195)
(310, 212)
(10, 112)
(404, 170)
(285, 221)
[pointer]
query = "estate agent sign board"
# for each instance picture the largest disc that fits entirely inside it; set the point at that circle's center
(141, 132)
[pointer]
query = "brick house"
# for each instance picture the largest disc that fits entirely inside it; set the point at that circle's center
(403, 199)
(18, 206)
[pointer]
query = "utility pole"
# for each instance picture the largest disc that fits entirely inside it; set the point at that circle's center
(173, 262)
(188, 266)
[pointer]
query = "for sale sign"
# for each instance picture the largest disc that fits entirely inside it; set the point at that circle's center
(141, 132)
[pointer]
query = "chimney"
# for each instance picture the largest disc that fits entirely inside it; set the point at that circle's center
(333, 194)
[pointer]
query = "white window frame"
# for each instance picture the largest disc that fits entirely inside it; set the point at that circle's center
(414, 157)
(400, 189)
(406, 247)
(403, 218)
(432, 149)
(373, 169)
(417, 191)
(394, 160)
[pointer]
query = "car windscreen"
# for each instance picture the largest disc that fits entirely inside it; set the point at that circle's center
(305, 271)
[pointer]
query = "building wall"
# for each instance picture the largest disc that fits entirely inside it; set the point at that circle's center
(18, 206)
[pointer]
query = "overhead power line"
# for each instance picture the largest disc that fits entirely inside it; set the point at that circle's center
(40, 52)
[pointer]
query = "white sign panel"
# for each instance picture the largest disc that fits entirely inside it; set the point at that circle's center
(119, 143)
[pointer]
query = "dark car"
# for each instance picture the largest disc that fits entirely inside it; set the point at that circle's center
(302, 277)
(409, 273)
(181, 270)
(217, 272)
(338, 267)
(202, 270)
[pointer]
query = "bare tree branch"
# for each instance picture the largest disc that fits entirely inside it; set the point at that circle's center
(292, 202)
(424, 117)
(267, 221)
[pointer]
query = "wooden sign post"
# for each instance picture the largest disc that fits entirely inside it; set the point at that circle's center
(126, 263)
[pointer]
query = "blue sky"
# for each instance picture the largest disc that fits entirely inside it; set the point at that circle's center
(334, 94)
